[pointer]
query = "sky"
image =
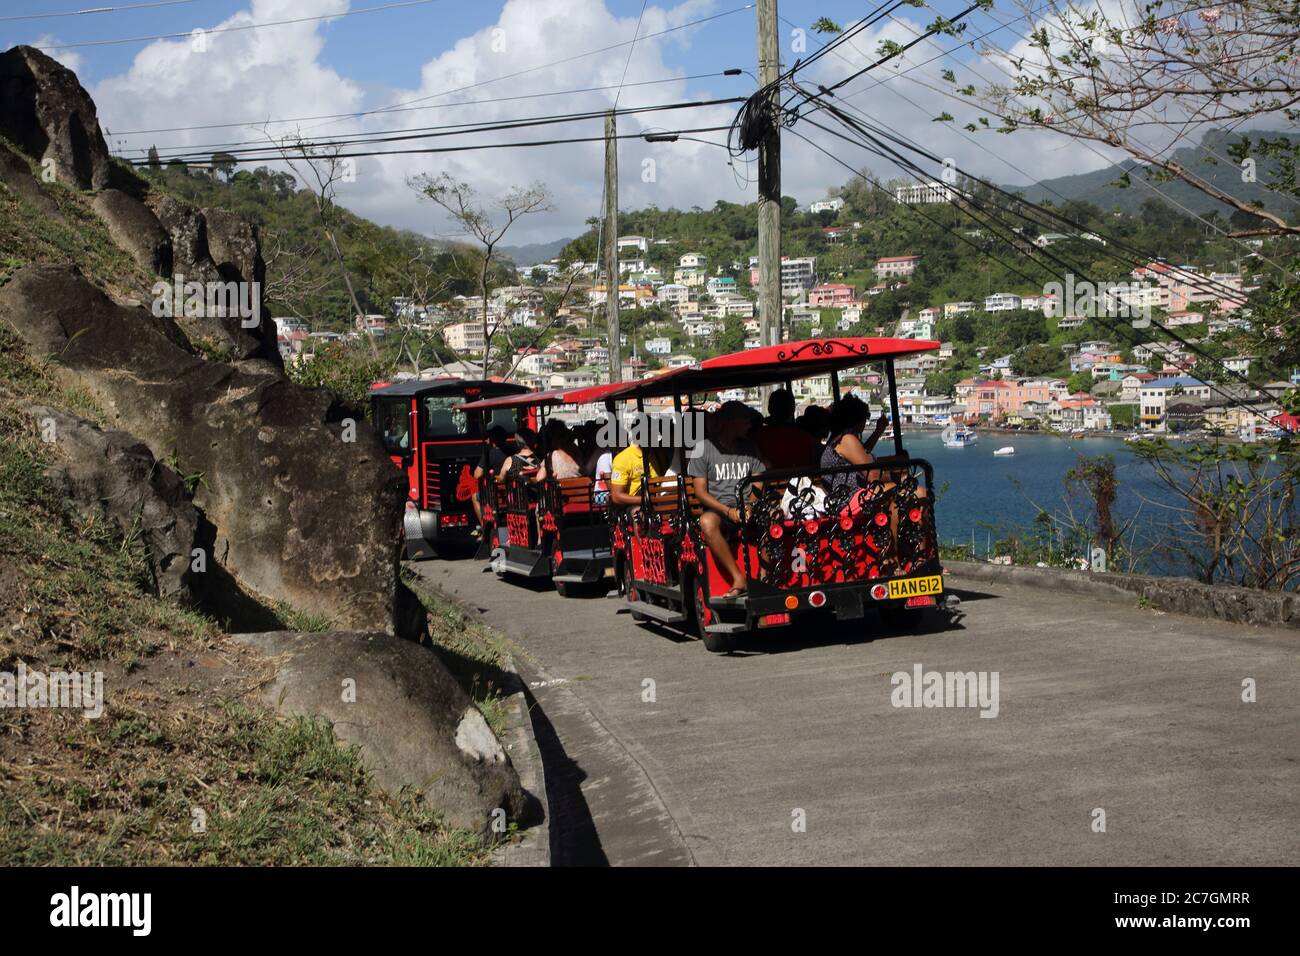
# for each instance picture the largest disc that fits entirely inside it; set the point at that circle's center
(451, 61)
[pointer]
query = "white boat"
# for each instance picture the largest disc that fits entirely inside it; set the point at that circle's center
(959, 436)
(1005, 450)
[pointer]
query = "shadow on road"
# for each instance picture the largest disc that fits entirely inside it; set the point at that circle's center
(573, 836)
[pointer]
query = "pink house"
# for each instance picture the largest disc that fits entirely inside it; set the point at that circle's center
(995, 399)
(835, 295)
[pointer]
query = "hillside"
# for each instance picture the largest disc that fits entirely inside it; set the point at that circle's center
(133, 440)
(1211, 160)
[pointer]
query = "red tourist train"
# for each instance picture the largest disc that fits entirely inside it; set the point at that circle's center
(557, 527)
(438, 446)
(805, 549)
(811, 541)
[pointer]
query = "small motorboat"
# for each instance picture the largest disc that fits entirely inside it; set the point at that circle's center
(959, 436)
(1004, 451)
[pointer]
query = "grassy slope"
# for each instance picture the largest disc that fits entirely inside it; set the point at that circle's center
(182, 737)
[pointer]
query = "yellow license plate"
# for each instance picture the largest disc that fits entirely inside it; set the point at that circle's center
(915, 587)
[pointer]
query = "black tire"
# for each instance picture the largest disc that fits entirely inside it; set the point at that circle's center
(702, 616)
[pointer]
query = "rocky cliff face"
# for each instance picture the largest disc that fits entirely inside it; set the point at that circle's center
(287, 496)
(47, 114)
(304, 501)
(305, 505)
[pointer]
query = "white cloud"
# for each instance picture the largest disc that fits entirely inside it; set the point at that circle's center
(278, 72)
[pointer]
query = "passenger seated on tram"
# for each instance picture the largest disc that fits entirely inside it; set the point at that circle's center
(561, 458)
(628, 467)
(781, 444)
(816, 421)
(597, 464)
(529, 454)
(718, 468)
(849, 417)
(494, 457)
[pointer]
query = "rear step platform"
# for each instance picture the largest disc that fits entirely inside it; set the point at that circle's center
(727, 603)
(664, 615)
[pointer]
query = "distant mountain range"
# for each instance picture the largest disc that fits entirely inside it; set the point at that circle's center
(534, 252)
(1210, 160)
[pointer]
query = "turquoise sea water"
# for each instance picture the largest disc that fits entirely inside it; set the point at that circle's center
(1008, 492)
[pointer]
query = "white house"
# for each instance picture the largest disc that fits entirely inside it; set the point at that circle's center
(827, 205)
(1001, 302)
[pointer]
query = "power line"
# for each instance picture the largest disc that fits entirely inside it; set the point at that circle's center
(875, 184)
(1136, 256)
(92, 10)
(631, 47)
(458, 129)
(436, 106)
(972, 201)
(247, 26)
(820, 99)
(458, 149)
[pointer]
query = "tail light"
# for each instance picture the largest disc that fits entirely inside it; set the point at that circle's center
(817, 599)
(773, 620)
(879, 592)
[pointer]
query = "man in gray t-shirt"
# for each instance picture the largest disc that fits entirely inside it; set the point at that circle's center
(718, 469)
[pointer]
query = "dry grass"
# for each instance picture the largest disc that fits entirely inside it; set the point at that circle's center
(184, 766)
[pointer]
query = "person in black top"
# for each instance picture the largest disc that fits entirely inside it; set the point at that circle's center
(494, 455)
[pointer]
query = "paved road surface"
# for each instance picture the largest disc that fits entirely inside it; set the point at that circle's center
(1102, 706)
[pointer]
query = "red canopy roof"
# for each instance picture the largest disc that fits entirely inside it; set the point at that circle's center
(774, 363)
(760, 366)
(555, 396)
(522, 400)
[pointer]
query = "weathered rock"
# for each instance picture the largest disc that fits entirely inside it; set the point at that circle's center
(217, 246)
(415, 726)
(233, 245)
(134, 227)
(188, 232)
(45, 112)
(302, 515)
(17, 176)
(115, 474)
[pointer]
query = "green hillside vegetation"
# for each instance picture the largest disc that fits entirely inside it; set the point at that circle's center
(383, 262)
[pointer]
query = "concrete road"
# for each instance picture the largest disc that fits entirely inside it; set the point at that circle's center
(792, 752)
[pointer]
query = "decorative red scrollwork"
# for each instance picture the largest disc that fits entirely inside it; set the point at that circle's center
(652, 561)
(517, 529)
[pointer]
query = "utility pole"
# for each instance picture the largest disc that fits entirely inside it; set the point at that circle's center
(611, 248)
(769, 183)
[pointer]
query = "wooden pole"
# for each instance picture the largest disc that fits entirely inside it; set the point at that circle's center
(769, 183)
(611, 248)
